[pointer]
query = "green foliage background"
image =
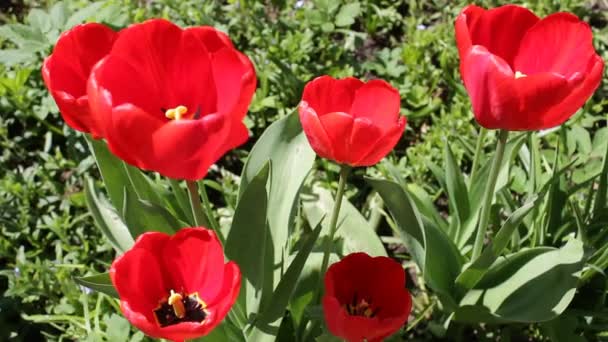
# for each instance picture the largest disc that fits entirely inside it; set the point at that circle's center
(47, 236)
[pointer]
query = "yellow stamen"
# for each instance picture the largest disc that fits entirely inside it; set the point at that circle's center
(519, 74)
(176, 300)
(176, 113)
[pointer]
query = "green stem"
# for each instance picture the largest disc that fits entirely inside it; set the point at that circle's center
(210, 218)
(195, 204)
(478, 148)
(333, 225)
(532, 190)
(489, 193)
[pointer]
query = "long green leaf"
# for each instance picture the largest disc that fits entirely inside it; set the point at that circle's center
(143, 216)
(291, 158)
(112, 171)
(99, 282)
(457, 190)
(353, 229)
(287, 284)
(249, 243)
(430, 247)
(107, 219)
(532, 285)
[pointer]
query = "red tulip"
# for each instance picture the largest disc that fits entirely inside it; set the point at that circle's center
(172, 100)
(522, 72)
(349, 121)
(365, 298)
(176, 287)
(66, 71)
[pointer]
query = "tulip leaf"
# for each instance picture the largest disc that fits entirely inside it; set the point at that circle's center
(276, 308)
(249, 242)
(532, 285)
(99, 282)
(469, 277)
(430, 247)
(475, 272)
(456, 188)
(353, 229)
(143, 187)
(182, 199)
(601, 196)
(107, 219)
(144, 216)
(112, 171)
(291, 158)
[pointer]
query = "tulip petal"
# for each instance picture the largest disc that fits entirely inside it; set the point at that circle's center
(363, 139)
(150, 48)
(129, 134)
(224, 299)
(338, 127)
(328, 95)
(190, 79)
(577, 98)
(315, 133)
(195, 259)
(66, 70)
(212, 38)
(500, 30)
(560, 43)
(137, 277)
(384, 145)
(179, 142)
(379, 102)
(235, 80)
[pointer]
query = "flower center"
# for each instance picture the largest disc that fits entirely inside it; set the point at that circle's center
(176, 113)
(519, 74)
(361, 307)
(180, 308)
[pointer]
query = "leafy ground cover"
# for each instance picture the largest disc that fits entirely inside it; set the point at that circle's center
(47, 236)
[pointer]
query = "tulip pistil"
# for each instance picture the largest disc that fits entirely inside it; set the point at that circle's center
(178, 308)
(519, 74)
(176, 113)
(360, 308)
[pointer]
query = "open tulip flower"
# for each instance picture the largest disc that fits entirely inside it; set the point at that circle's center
(66, 71)
(349, 121)
(172, 100)
(523, 72)
(365, 298)
(176, 287)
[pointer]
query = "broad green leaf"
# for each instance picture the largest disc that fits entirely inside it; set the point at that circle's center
(144, 216)
(112, 172)
(84, 14)
(249, 242)
(59, 15)
(353, 229)
(107, 219)
(143, 187)
(430, 247)
(287, 284)
(99, 282)
(531, 285)
(425, 205)
(469, 277)
(291, 158)
(563, 329)
(347, 14)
